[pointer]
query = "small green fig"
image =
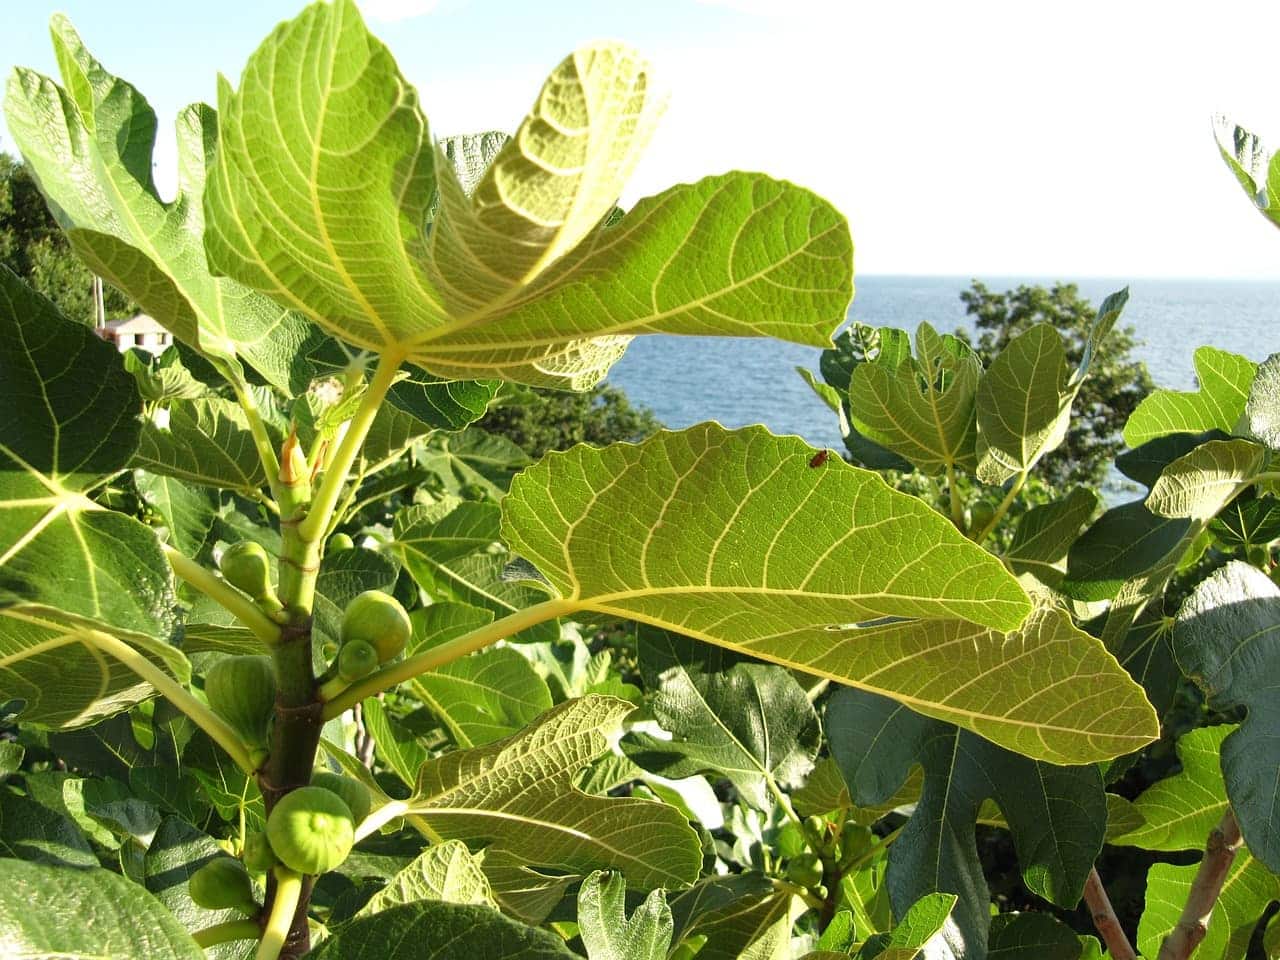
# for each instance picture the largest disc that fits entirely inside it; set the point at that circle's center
(257, 854)
(1260, 556)
(980, 514)
(357, 659)
(353, 793)
(311, 830)
(805, 870)
(378, 619)
(242, 690)
(340, 543)
(222, 884)
(246, 567)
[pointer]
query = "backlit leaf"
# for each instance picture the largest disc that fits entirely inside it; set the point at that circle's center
(922, 407)
(1224, 380)
(518, 278)
(89, 147)
(1250, 888)
(1179, 811)
(1197, 484)
(68, 567)
(732, 538)
(1024, 400)
(516, 798)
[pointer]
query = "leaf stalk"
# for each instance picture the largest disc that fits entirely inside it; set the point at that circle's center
(287, 894)
(225, 595)
(1002, 508)
(218, 729)
(225, 932)
(447, 652)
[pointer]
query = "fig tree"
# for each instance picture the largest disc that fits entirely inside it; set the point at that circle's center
(311, 830)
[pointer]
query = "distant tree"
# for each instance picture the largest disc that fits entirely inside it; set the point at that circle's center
(33, 247)
(1116, 382)
(543, 420)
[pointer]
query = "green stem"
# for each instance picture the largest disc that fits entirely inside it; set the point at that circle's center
(1001, 509)
(447, 652)
(857, 862)
(266, 451)
(798, 891)
(957, 508)
(279, 923)
(218, 729)
(785, 803)
(223, 932)
(226, 596)
(380, 817)
(326, 497)
(342, 510)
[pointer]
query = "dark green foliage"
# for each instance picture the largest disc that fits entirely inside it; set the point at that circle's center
(33, 247)
(540, 420)
(1116, 383)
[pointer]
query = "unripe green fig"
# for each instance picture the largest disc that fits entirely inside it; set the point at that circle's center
(311, 830)
(242, 690)
(340, 542)
(246, 567)
(805, 870)
(816, 829)
(980, 515)
(353, 793)
(473, 491)
(222, 884)
(1260, 556)
(257, 854)
(378, 619)
(357, 659)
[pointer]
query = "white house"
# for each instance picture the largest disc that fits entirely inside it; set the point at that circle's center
(137, 331)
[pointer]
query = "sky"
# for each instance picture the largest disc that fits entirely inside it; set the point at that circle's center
(980, 138)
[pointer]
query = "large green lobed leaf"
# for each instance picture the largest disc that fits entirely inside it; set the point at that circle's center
(327, 176)
(922, 407)
(1057, 815)
(732, 537)
(89, 145)
(62, 912)
(69, 568)
(1227, 639)
(516, 797)
(1223, 379)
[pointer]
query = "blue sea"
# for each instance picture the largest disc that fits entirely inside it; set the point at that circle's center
(740, 381)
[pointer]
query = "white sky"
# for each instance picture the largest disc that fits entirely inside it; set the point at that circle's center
(979, 137)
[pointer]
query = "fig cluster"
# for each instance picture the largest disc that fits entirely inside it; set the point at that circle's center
(374, 630)
(309, 831)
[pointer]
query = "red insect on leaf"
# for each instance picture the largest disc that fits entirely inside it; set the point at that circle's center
(819, 458)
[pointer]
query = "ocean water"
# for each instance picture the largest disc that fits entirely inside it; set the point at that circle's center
(685, 380)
